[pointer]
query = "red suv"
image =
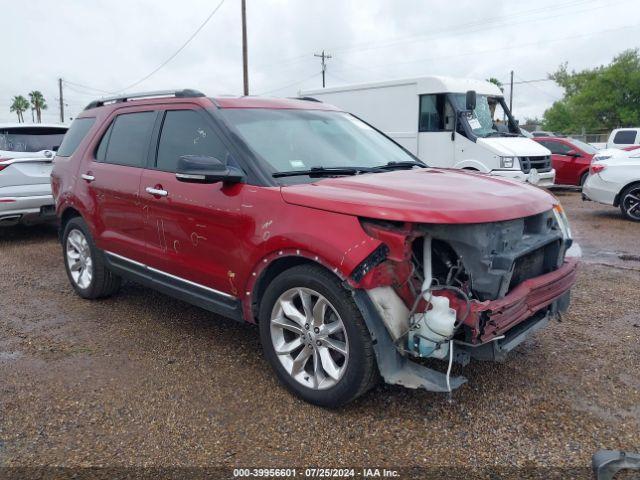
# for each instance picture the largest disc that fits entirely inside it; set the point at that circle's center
(354, 258)
(570, 158)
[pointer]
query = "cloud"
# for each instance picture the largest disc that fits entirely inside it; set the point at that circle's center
(107, 45)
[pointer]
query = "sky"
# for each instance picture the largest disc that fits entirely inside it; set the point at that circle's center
(103, 46)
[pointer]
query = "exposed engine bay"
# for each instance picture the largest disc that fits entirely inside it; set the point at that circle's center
(467, 290)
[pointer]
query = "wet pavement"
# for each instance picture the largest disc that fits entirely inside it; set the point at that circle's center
(142, 379)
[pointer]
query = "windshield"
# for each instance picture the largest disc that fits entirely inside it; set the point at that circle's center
(30, 139)
(489, 118)
(585, 147)
(291, 140)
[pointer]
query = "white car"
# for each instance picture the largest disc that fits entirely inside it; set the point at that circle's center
(616, 181)
(607, 153)
(26, 153)
(22, 140)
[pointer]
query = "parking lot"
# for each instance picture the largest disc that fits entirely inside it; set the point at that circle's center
(142, 379)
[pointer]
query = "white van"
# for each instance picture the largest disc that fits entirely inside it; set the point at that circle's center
(447, 122)
(624, 137)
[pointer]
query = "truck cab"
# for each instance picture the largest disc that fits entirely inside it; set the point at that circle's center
(448, 122)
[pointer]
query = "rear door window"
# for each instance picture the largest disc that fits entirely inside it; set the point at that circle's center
(31, 139)
(186, 132)
(78, 130)
(625, 137)
(557, 148)
(128, 139)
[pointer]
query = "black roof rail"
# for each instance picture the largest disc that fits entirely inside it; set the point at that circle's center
(307, 99)
(186, 93)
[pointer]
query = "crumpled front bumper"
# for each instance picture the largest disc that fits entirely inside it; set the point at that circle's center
(493, 318)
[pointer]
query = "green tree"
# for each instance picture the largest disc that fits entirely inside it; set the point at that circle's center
(497, 82)
(38, 103)
(597, 99)
(19, 104)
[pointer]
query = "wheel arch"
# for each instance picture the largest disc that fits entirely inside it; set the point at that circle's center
(471, 164)
(584, 171)
(270, 267)
(616, 200)
(67, 214)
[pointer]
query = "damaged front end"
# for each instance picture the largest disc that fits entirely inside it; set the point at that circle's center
(459, 291)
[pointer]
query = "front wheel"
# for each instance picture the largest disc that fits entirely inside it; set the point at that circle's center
(630, 202)
(315, 338)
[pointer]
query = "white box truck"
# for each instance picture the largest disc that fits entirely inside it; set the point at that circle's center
(447, 122)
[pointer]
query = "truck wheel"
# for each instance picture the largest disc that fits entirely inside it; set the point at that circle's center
(630, 202)
(84, 262)
(315, 338)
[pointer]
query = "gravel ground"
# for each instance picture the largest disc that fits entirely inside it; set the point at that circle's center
(144, 380)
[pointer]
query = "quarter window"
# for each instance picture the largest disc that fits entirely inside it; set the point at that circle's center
(186, 132)
(127, 140)
(625, 137)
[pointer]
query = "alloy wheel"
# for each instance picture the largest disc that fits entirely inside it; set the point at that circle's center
(631, 203)
(79, 259)
(309, 338)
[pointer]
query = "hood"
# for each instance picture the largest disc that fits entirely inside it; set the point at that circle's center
(514, 146)
(428, 195)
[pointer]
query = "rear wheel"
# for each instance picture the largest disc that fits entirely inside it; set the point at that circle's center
(84, 262)
(314, 337)
(630, 202)
(583, 178)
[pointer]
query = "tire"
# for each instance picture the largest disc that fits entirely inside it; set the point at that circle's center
(630, 202)
(92, 279)
(583, 179)
(318, 381)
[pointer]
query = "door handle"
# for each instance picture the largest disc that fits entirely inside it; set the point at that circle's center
(87, 177)
(156, 191)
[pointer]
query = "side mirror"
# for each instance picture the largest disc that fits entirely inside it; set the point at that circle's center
(573, 153)
(203, 169)
(471, 100)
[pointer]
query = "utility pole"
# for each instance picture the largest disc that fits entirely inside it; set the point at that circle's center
(245, 61)
(511, 95)
(324, 57)
(61, 101)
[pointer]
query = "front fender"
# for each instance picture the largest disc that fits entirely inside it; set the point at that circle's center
(337, 266)
(474, 164)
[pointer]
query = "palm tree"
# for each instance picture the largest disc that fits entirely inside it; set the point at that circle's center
(19, 105)
(38, 103)
(496, 82)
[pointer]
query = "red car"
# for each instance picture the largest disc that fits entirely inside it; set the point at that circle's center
(354, 258)
(571, 159)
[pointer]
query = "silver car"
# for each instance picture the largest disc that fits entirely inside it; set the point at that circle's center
(26, 152)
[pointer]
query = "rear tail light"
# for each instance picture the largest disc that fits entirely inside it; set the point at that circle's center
(596, 168)
(4, 163)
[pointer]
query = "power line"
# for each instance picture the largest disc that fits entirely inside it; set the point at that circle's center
(531, 83)
(464, 27)
(511, 47)
(290, 85)
(172, 56)
(67, 82)
(480, 25)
